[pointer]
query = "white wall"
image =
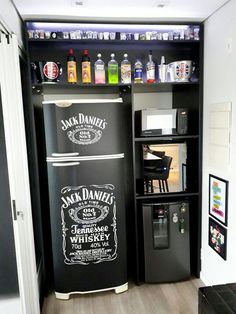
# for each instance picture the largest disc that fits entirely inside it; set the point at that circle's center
(220, 86)
(10, 19)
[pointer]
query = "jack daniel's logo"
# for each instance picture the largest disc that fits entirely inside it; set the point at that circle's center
(84, 129)
(89, 227)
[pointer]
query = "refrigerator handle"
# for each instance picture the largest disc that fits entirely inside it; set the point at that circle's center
(64, 154)
(65, 164)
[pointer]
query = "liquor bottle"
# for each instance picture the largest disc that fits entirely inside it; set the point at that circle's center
(162, 69)
(113, 77)
(150, 69)
(125, 70)
(71, 67)
(86, 68)
(99, 71)
(138, 71)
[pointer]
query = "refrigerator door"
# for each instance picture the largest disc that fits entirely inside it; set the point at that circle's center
(88, 127)
(88, 224)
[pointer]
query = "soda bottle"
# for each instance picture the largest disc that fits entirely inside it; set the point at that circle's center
(86, 68)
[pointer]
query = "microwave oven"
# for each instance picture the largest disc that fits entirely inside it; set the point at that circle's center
(156, 122)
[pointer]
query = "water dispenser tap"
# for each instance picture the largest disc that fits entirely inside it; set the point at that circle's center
(181, 225)
(175, 218)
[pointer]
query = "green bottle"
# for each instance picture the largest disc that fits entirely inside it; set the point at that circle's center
(113, 77)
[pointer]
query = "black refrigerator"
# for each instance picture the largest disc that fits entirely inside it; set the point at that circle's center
(85, 166)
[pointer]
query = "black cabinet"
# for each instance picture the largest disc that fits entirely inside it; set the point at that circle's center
(49, 41)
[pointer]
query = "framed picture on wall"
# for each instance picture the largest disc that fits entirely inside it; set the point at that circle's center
(218, 199)
(217, 238)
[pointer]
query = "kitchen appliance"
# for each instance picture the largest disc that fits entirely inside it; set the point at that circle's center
(180, 70)
(164, 121)
(87, 206)
(166, 241)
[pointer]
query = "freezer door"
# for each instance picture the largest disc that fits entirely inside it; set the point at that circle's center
(88, 224)
(89, 128)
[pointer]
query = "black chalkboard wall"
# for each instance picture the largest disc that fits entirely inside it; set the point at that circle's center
(8, 270)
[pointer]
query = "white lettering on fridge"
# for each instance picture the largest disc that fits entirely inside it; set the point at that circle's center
(89, 224)
(83, 129)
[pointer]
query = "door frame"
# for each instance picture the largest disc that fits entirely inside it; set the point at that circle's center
(17, 159)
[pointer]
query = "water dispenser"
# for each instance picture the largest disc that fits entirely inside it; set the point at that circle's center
(166, 241)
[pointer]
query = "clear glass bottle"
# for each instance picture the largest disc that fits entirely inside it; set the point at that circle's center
(125, 70)
(138, 71)
(162, 69)
(113, 76)
(99, 70)
(150, 69)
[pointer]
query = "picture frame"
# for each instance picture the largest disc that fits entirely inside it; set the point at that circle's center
(217, 238)
(218, 199)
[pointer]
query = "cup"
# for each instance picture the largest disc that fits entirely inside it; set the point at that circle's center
(47, 35)
(78, 34)
(112, 36)
(142, 36)
(95, 35)
(165, 36)
(159, 36)
(148, 35)
(129, 36)
(89, 34)
(65, 35)
(31, 33)
(154, 36)
(72, 35)
(170, 35)
(196, 33)
(187, 34)
(136, 36)
(122, 36)
(100, 35)
(106, 35)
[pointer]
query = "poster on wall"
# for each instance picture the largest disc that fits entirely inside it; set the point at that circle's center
(217, 238)
(218, 198)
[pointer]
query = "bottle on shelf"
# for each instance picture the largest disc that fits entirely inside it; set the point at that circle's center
(86, 68)
(125, 69)
(113, 77)
(162, 70)
(150, 69)
(71, 67)
(99, 70)
(138, 71)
